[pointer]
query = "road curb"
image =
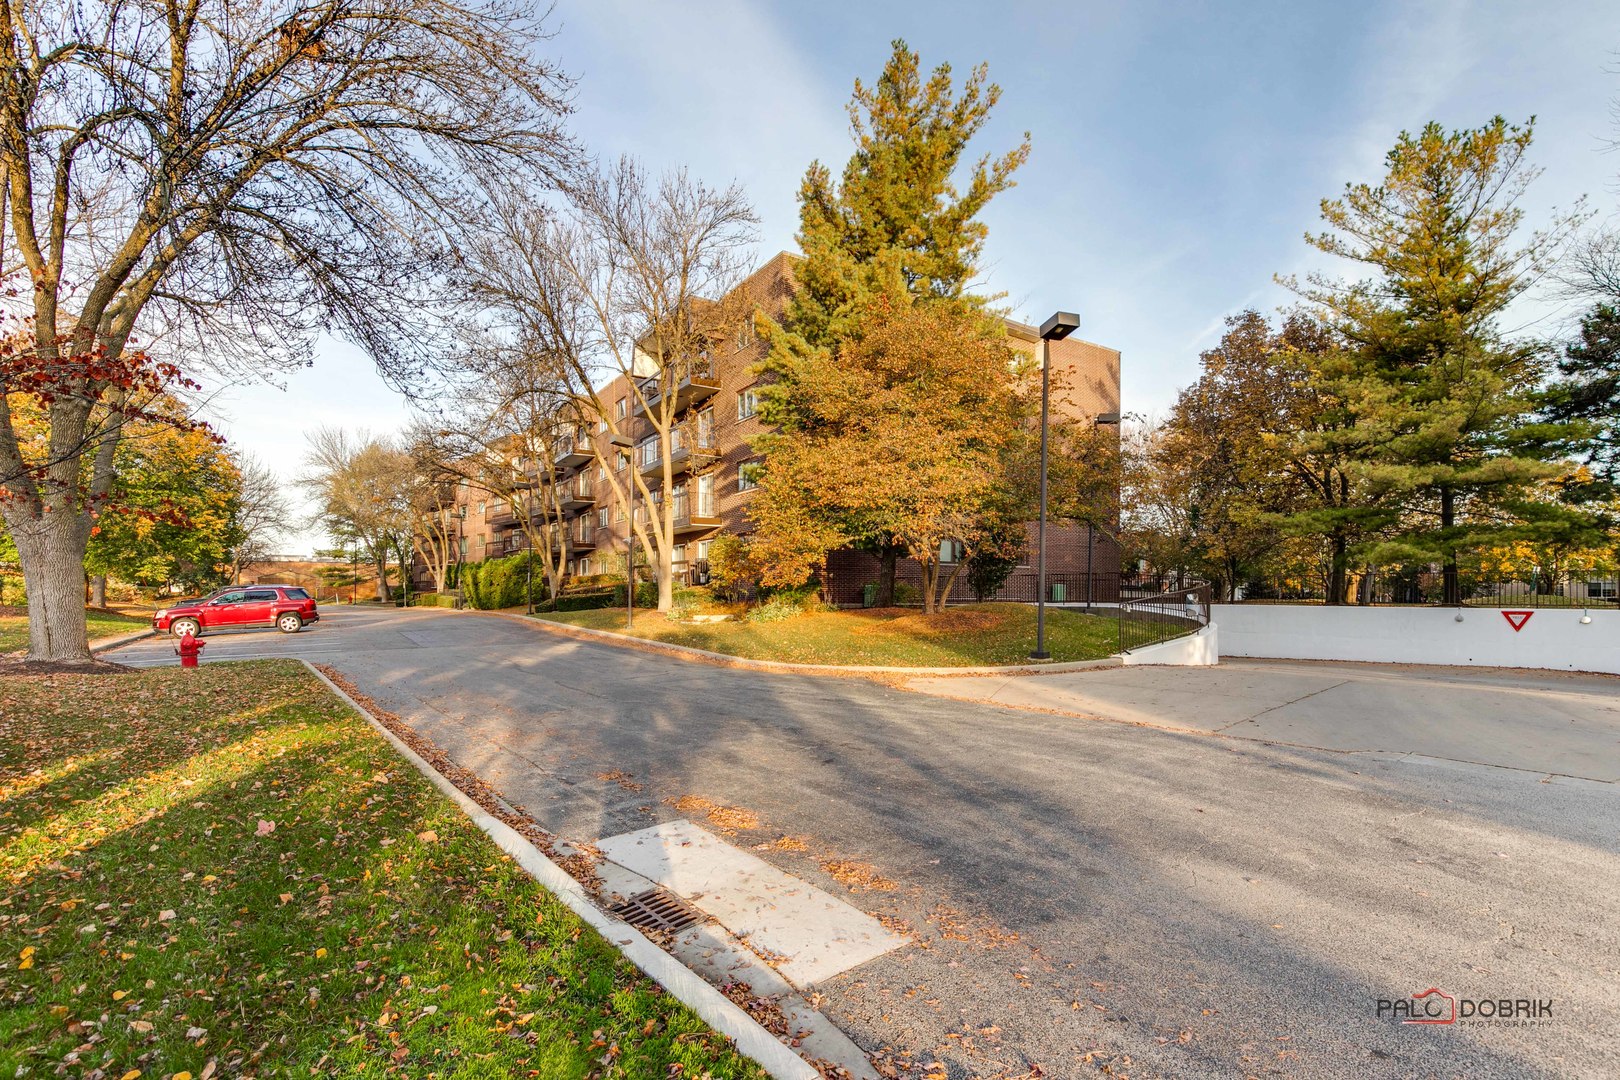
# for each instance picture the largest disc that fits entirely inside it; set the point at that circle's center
(101, 645)
(716, 1010)
(782, 667)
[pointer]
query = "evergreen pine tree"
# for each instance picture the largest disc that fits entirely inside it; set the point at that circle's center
(1443, 402)
(895, 230)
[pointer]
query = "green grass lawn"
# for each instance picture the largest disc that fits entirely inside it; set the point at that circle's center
(152, 919)
(100, 624)
(963, 636)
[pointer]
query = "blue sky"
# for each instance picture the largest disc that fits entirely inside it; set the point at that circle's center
(1180, 150)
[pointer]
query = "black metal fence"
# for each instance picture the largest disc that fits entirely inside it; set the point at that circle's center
(1173, 613)
(1425, 586)
(1062, 587)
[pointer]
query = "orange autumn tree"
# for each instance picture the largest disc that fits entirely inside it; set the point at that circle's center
(904, 430)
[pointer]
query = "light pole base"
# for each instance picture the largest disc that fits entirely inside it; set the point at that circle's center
(1040, 656)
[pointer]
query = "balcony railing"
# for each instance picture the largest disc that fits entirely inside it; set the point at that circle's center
(575, 450)
(684, 453)
(697, 383)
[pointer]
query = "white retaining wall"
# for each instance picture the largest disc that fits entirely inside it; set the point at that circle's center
(1194, 650)
(1551, 638)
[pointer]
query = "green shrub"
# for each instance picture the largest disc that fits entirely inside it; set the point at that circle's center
(905, 594)
(433, 600)
(499, 583)
(586, 601)
(784, 605)
(646, 594)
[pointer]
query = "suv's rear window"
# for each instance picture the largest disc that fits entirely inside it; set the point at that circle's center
(297, 594)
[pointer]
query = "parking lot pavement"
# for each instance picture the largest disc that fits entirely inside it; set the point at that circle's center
(1081, 893)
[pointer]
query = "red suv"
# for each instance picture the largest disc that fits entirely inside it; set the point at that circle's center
(286, 608)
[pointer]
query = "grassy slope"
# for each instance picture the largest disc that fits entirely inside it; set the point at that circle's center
(961, 636)
(14, 628)
(144, 908)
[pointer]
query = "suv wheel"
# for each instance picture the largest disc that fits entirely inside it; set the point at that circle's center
(185, 628)
(289, 623)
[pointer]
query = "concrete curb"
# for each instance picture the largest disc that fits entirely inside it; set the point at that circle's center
(103, 644)
(782, 667)
(716, 1010)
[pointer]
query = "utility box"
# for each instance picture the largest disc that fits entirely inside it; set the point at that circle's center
(869, 595)
(1060, 592)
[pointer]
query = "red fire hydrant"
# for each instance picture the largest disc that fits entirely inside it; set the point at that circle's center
(190, 650)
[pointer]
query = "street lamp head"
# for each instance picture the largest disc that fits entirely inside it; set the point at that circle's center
(1060, 326)
(1107, 418)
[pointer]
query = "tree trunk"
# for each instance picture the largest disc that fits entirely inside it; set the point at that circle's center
(1451, 587)
(930, 577)
(98, 591)
(382, 577)
(666, 582)
(51, 551)
(1337, 567)
(888, 555)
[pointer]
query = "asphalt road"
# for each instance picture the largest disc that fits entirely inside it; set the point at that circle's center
(1170, 903)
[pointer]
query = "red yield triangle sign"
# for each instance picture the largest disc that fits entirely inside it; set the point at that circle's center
(1517, 619)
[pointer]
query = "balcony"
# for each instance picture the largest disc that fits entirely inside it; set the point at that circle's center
(580, 539)
(683, 456)
(694, 515)
(501, 519)
(577, 495)
(574, 451)
(698, 384)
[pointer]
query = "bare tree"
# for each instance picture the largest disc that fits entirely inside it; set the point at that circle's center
(253, 170)
(364, 486)
(634, 280)
(261, 515)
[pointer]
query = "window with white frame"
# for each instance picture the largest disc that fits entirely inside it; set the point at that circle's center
(620, 407)
(747, 403)
(703, 550)
(601, 517)
(952, 551)
(748, 475)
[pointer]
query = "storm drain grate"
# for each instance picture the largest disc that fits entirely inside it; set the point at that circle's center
(657, 909)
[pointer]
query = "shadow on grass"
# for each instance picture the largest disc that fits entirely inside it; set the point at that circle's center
(373, 929)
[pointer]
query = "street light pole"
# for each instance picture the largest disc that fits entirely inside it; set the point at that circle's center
(1058, 327)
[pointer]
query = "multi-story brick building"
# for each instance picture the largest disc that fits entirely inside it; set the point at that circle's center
(713, 484)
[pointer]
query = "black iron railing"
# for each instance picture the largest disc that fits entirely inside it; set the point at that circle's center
(1426, 586)
(1148, 620)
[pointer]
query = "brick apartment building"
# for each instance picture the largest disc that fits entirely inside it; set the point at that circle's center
(713, 485)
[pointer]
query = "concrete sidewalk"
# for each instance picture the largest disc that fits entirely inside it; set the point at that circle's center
(1544, 722)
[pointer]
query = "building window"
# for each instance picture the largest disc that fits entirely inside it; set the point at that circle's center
(620, 460)
(1602, 590)
(747, 404)
(748, 475)
(620, 516)
(463, 545)
(601, 472)
(620, 407)
(952, 551)
(705, 429)
(601, 517)
(481, 506)
(703, 550)
(601, 424)
(745, 334)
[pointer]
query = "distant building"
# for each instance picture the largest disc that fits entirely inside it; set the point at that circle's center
(712, 486)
